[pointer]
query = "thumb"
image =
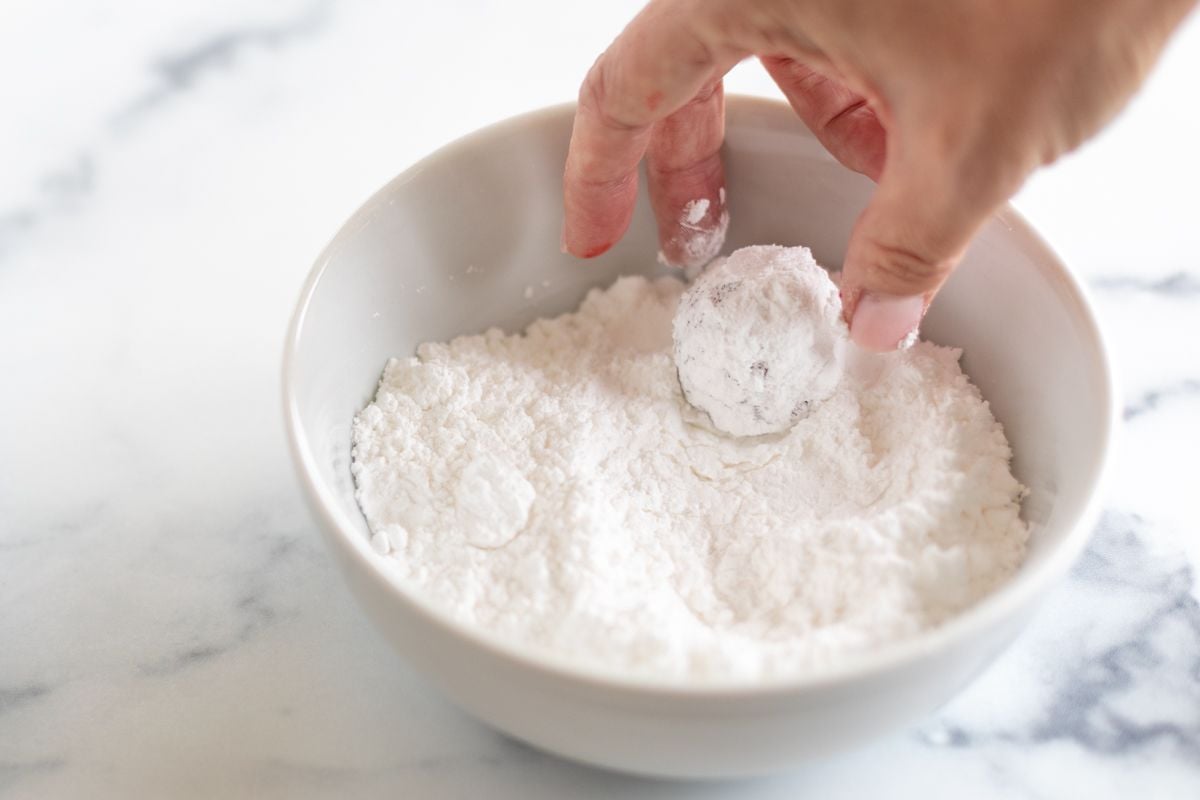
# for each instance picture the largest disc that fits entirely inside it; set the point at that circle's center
(904, 246)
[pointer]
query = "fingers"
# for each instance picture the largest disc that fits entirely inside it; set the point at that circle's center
(840, 118)
(904, 246)
(902, 249)
(654, 67)
(687, 181)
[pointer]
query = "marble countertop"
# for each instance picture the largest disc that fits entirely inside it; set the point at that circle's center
(170, 622)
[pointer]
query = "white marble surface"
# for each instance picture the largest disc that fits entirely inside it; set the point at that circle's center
(170, 624)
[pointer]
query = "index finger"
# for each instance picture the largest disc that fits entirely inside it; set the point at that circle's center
(653, 68)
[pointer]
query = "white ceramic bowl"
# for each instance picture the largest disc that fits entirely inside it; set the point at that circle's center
(449, 248)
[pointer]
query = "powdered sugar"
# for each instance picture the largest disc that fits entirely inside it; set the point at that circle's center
(693, 212)
(759, 339)
(556, 489)
(699, 241)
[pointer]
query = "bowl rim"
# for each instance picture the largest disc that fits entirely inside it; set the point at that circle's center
(1002, 604)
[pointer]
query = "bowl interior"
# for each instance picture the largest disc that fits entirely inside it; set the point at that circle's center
(469, 238)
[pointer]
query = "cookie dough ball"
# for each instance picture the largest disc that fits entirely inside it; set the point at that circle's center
(760, 340)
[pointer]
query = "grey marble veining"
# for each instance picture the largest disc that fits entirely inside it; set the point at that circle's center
(174, 71)
(179, 70)
(1181, 285)
(170, 622)
(58, 190)
(1151, 400)
(1163, 647)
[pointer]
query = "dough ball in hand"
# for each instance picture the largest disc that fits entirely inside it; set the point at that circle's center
(760, 340)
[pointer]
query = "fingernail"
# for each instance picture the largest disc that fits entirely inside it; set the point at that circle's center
(886, 322)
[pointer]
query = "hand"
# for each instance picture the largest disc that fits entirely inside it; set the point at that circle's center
(947, 104)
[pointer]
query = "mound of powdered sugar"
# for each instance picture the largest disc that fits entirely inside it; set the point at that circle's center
(760, 340)
(555, 488)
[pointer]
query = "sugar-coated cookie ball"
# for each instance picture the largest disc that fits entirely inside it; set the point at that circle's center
(759, 339)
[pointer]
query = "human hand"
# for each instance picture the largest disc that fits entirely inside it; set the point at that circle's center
(947, 104)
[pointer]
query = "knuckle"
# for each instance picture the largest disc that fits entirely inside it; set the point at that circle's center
(708, 92)
(901, 266)
(704, 171)
(597, 98)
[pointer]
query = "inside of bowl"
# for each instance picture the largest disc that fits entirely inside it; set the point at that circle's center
(469, 239)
